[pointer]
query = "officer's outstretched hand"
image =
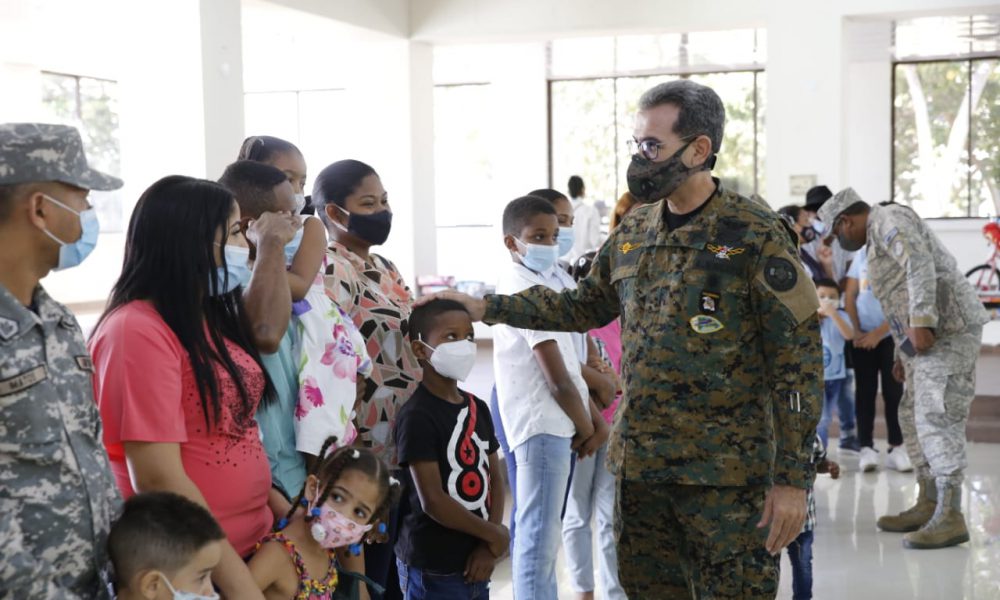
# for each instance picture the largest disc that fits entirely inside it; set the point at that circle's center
(475, 306)
(785, 512)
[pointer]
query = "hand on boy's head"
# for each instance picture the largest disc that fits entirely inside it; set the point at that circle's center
(475, 306)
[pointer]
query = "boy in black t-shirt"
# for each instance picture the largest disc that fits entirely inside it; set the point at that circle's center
(450, 542)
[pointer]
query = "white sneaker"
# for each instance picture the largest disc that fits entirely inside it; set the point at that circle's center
(869, 460)
(898, 460)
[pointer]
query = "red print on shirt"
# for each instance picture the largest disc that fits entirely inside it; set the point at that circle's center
(469, 482)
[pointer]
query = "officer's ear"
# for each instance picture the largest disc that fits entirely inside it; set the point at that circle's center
(700, 150)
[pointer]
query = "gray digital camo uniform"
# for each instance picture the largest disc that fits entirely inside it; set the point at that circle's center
(919, 285)
(57, 495)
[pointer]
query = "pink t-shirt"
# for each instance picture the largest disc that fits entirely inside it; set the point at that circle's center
(146, 392)
(611, 335)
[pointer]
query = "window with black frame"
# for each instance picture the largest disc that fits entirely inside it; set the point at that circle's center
(595, 85)
(946, 116)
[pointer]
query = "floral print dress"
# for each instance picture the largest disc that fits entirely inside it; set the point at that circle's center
(331, 356)
(379, 302)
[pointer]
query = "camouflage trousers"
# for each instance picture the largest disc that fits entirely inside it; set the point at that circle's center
(688, 541)
(940, 386)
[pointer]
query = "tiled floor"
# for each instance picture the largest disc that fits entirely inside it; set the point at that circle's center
(852, 559)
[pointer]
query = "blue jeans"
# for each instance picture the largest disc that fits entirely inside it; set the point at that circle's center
(508, 459)
(418, 584)
(543, 465)
(834, 394)
(800, 553)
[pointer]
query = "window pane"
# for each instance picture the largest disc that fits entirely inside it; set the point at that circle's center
(272, 113)
(735, 165)
(648, 52)
(91, 105)
(930, 136)
(584, 140)
(462, 153)
(471, 253)
(985, 165)
(761, 137)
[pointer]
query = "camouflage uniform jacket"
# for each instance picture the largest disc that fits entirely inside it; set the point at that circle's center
(915, 278)
(722, 362)
(57, 495)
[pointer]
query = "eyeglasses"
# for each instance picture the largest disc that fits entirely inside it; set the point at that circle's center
(649, 148)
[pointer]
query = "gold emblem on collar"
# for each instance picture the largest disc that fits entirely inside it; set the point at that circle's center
(628, 247)
(724, 252)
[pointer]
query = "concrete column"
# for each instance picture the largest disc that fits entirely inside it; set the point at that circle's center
(222, 82)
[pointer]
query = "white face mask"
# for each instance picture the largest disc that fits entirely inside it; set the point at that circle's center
(186, 595)
(300, 203)
(453, 360)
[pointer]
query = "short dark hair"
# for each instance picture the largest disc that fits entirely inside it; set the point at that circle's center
(827, 283)
(791, 211)
(575, 186)
(549, 194)
(338, 181)
(253, 185)
(8, 193)
(424, 317)
(161, 531)
(701, 111)
(264, 148)
(520, 210)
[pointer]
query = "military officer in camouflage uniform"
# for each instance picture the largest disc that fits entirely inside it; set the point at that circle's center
(722, 364)
(937, 323)
(57, 495)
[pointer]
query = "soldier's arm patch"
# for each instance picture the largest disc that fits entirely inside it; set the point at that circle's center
(780, 274)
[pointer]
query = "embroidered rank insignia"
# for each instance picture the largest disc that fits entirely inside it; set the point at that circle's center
(724, 252)
(705, 324)
(709, 302)
(628, 247)
(85, 363)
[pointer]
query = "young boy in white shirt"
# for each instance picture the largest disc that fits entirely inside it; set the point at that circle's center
(543, 399)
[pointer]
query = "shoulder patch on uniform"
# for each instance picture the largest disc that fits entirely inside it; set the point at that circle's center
(780, 274)
(892, 234)
(705, 324)
(23, 381)
(8, 327)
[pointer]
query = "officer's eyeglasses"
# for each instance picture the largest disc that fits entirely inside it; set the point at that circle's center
(649, 149)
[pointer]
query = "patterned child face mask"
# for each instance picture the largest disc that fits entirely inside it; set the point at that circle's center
(333, 530)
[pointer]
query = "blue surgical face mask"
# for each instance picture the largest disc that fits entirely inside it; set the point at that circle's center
(237, 270)
(72, 254)
(565, 240)
(186, 595)
(292, 247)
(819, 226)
(538, 257)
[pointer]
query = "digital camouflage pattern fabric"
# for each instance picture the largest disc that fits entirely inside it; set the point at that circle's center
(722, 371)
(919, 285)
(36, 152)
(57, 495)
(722, 363)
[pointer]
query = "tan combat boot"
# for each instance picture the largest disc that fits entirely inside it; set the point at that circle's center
(916, 516)
(947, 526)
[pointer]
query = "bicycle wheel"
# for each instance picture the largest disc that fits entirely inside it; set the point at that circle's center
(984, 278)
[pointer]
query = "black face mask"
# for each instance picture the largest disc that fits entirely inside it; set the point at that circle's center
(849, 244)
(373, 228)
(652, 181)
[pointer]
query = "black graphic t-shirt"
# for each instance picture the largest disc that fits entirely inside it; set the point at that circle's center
(459, 438)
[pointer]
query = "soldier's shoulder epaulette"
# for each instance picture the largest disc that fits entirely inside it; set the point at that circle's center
(761, 221)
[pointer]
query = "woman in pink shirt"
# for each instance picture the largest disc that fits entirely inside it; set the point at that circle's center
(178, 374)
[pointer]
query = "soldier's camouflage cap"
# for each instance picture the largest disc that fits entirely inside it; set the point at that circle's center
(832, 208)
(38, 152)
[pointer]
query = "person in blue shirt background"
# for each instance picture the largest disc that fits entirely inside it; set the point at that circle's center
(873, 352)
(835, 329)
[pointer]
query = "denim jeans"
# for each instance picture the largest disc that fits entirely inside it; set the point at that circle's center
(834, 393)
(418, 584)
(800, 553)
(543, 464)
(508, 459)
(592, 495)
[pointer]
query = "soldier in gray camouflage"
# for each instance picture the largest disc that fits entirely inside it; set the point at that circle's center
(57, 495)
(937, 323)
(722, 364)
